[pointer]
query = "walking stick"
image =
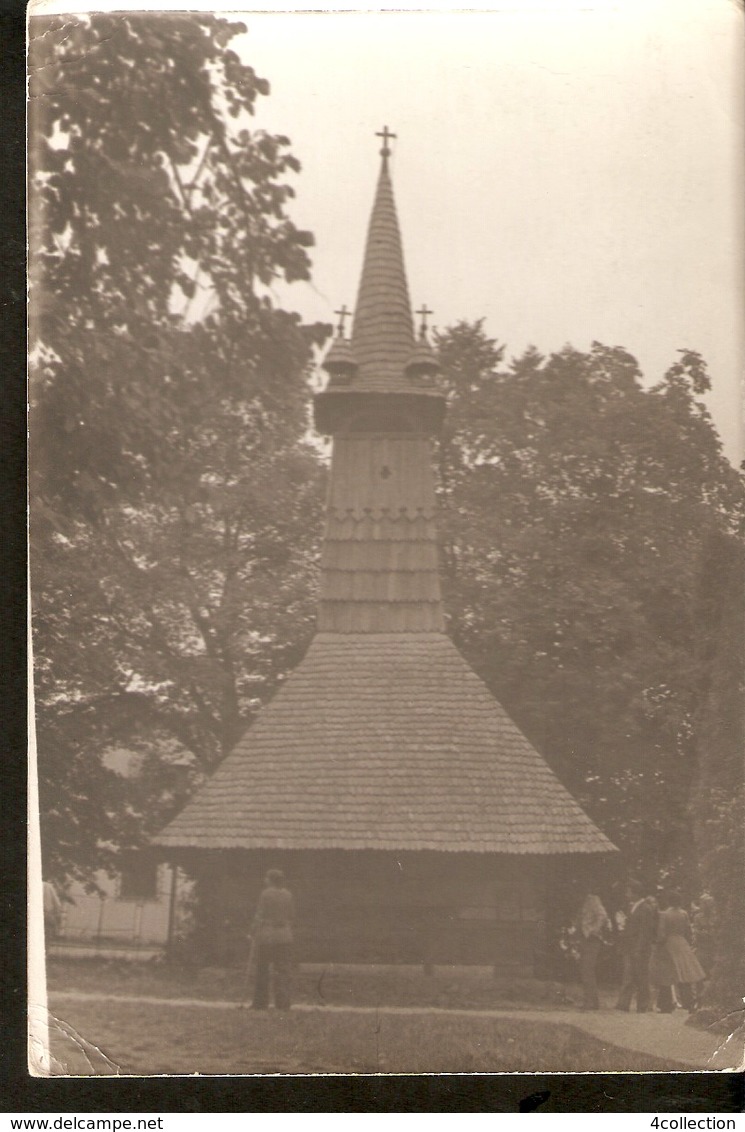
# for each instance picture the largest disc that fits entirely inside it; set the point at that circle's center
(250, 968)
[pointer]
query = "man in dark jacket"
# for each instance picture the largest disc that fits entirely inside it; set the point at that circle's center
(273, 937)
(638, 940)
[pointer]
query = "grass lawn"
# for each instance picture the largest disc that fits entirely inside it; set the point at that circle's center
(141, 1039)
(461, 987)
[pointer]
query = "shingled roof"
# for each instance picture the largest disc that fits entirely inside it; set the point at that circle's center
(382, 331)
(385, 741)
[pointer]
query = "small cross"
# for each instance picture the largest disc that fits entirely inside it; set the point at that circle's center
(343, 313)
(385, 135)
(423, 311)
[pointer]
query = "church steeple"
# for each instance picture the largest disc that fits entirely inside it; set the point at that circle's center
(379, 565)
(382, 333)
(373, 372)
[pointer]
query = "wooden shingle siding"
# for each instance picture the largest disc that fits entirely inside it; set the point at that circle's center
(380, 585)
(401, 527)
(385, 741)
(373, 554)
(380, 617)
(382, 476)
(379, 566)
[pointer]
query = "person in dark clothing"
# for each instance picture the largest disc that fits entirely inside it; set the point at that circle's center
(273, 938)
(639, 937)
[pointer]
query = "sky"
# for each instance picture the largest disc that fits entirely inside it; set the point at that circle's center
(568, 173)
(565, 174)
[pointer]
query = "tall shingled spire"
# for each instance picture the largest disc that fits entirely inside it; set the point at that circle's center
(383, 333)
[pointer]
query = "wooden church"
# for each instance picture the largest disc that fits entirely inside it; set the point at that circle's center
(413, 820)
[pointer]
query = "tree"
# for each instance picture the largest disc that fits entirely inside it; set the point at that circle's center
(148, 192)
(718, 794)
(170, 593)
(576, 502)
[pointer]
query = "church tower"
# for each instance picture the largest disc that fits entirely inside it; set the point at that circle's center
(412, 818)
(380, 560)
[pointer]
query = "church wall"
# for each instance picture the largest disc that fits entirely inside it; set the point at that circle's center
(384, 907)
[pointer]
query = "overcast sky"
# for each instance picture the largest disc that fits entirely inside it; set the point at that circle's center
(567, 174)
(567, 171)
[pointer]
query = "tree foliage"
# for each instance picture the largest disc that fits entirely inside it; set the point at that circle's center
(170, 478)
(150, 191)
(577, 505)
(718, 793)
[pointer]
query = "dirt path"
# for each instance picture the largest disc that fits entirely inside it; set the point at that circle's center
(661, 1035)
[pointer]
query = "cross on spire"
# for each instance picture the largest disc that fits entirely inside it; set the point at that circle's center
(423, 311)
(385, 134)
(343, 314)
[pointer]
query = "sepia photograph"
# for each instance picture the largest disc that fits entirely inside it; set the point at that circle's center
(387, 540)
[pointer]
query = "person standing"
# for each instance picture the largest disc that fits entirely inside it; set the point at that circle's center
(704, 924)
(674, 938)
(638, 940)
(593, 925)
(273, 933)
